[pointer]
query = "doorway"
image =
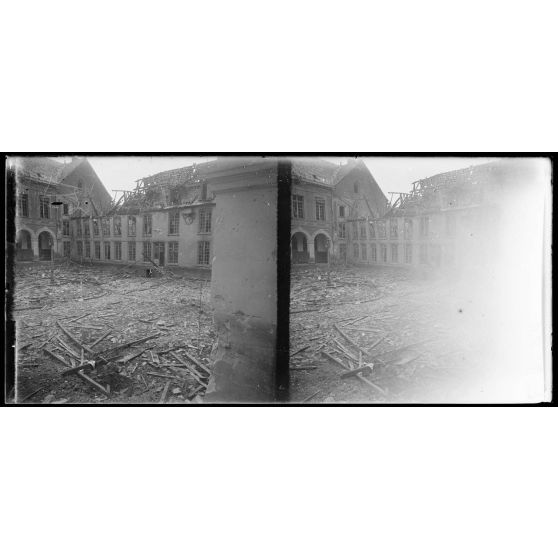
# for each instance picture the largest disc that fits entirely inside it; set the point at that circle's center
(321, 247)
(159, 253)
(46, 242)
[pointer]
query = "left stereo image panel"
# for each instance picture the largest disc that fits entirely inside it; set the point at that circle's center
(142, 280)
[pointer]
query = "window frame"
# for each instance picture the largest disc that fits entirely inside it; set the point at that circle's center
(172, 250)
(320, 209)
(174, 223)
(298, 206)
(131, 248)
(147, 224)
(205, 244)
(204, 221)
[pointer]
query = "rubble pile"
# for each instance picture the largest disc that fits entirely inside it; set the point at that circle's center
(91, 335)
(373, 335)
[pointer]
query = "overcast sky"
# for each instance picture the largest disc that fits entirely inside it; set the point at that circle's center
(393, 174)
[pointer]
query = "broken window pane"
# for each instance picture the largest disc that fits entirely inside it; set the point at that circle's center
(393, 228)
(131, 226)
(147, 220)
(381, 229)
(408, 226)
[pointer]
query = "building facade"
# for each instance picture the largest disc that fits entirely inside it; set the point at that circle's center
(450, 220)
(166, 221)
(48, 193)
(331, 207)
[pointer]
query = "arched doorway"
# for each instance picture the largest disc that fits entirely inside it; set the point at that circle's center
(24, 248)
(46, 245)
(299, 248)
(321, 248)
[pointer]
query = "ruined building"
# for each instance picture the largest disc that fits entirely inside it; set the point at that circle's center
(455, 218)
(48, 194)
(166, 220)
(332, 205)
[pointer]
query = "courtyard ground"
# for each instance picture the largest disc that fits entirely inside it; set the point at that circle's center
(150, 338)
(428, 337)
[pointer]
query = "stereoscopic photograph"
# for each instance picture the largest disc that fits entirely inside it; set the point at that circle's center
(150, 280)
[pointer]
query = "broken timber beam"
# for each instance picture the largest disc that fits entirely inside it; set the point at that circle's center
(78, 343)
(332, 358)
(197, 362)
(55, 356)
(75, 369)
(165, 390)
(130, 343)
(92, 382)
(100, 338)
(350, 341)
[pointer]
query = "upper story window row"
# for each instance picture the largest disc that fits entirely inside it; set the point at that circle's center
(298, 208)
(108, 226)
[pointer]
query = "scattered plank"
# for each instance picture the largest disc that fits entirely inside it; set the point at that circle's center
(350, 341)
(85, 366)
(55, 356)
(79, 317)
(164, 394)
(161, 375)
(300, 350)
(198, 363)
(100, 338)
(332, 358)
(311, 396)
(130, 343)
(371, 384)
(92, 382)
(78, 343)
(377, 342)
(30, 395)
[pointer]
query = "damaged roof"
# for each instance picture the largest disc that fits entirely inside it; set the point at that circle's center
(426, 192)
(47, 169)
